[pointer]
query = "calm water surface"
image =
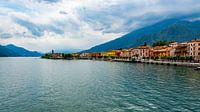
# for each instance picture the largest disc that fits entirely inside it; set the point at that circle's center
(39, 85)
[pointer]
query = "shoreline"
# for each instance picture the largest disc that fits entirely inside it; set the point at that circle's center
(164, 62)
(170, 63)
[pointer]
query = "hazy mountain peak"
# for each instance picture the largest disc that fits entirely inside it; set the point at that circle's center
(11, 50)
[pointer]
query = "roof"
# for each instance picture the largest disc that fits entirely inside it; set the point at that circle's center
(197, 40)
(142, 47)
(161, 49)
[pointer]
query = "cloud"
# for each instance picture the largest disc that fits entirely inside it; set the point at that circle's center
(5, 35)
(38, 30)
(34, 29)
(60, 24)
(63, 12)
(49, 1)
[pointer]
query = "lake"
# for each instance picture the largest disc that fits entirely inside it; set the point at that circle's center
(41, 85)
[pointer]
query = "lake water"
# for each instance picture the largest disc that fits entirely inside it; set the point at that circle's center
(40, 85)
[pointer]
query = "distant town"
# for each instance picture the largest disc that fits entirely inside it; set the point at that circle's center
(159, 51)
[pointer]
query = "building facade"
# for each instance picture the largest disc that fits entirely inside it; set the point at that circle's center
(182, 50)
(141, 52)
(162, 52)
(193, 48)
(126, 53)
(57, 55)
(111, 53)
(85, 55)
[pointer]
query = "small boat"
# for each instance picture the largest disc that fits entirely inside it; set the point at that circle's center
(197, 68)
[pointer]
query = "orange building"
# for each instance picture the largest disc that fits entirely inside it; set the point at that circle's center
(162, 51)
(95, 54)
(182, 50)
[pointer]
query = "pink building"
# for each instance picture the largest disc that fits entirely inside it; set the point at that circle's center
(85, 55)
(141, 52)
(194, 49)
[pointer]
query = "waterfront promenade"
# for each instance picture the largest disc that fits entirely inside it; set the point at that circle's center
(187, 64)
(157, 62)
(160, 62)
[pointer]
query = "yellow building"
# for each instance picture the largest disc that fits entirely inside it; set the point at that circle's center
(75, 54)
(112, 53)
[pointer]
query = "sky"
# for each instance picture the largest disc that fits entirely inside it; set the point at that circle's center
(43, 25)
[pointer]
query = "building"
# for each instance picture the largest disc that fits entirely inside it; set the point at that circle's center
(173, 44)
(125, 53)
(140, 52)
(193, 48)
(111, 53)
(181, 50)
(57, 55)
(76, 55)
(162, 51)
(85, 55)
(96, 55)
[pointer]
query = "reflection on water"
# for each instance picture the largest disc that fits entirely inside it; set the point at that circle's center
(39, 85)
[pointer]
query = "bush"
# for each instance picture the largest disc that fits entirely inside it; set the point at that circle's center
(161, 43)
(156, 57)
(68, 55)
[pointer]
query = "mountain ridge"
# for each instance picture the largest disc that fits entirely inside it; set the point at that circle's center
(11, 50)
(170, 29)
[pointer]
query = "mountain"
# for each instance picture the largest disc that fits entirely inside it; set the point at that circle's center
(5, 52)
(15, 51)
(171, 29)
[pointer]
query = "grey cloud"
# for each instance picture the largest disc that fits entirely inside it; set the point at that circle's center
(49, 1)
(5, 35)
(63, 12)
(133, 16)
(118, 17)
(33, 28)
(38, 29)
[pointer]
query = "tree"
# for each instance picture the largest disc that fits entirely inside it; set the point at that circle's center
(161, 43)
(67, 56)
(145, 43)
